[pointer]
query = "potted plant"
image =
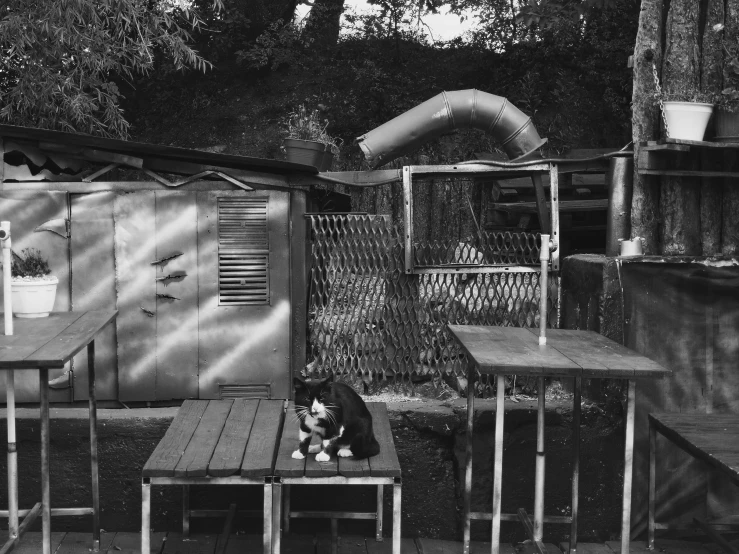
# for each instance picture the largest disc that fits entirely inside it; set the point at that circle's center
(306, 140)
(685, 113)
(726, 118)
(33, 288)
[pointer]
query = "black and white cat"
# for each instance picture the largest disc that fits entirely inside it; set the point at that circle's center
(338, 415)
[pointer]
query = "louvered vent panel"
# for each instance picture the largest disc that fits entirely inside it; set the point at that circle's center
(243, 251)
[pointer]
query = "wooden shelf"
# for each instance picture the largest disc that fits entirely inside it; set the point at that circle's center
(689, 173)
(679, 145)
(564, 206)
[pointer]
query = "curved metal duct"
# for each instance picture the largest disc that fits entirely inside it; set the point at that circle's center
(456, 109)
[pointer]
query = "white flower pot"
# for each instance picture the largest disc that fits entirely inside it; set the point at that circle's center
(33, 297)
(687, 120)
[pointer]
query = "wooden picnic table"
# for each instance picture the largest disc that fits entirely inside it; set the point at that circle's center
(42, 344)
(578, 354)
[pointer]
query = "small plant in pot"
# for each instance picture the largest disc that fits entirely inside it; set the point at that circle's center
(33, 286)
(685, 113)
(306, 140)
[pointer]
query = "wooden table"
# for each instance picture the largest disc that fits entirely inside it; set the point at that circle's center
(42, 344)
(567, 353)
(216, 442)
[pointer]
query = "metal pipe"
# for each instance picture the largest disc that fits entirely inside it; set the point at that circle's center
(445, 112)
(466, 534)
(379, 513)
(397, 497)
(185, 510)
(45, 489)
(620, 182)
(267, 510)
(498, 463)
(276, 508)
(145, 516)
(93, 446)
(628, 468)
(543, 288)
(576, 408)
(7, 276)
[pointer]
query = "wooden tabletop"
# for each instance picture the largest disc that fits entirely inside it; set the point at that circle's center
(385, 464)
(50, 342)
(713, 438)
(219, 438)
(572, 353)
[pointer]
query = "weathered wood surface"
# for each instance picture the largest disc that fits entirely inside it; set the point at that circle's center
(645, 122)
(51, 341)
(217, 438)
(712, 438)
(386, 463)
(599, 204)
(434, 546)
(730, 223)
(286, 465)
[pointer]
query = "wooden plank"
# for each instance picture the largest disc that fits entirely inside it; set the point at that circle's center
(30, 335)
(259, 458)
(79, 543)
(71, 340)
(135, 248)
(688, 173)
(511, 350)
(31, 542)
(587, 548)
(238, 544)
(170, 449)
(407, 546)
(201, 544)
(712, 438)
(194, 461)
(662, 546)
(229, 451)
(351, 467)
(599, 204)
(130, 543)
(285, 465)
(92, 249)
(347, 545)
(321, 469)
(433, 546)
(386, 463)
(177, 320)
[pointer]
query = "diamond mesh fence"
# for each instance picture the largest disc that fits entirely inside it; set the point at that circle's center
(370, 321)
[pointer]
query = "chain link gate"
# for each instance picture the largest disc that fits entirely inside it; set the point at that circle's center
(368, 320)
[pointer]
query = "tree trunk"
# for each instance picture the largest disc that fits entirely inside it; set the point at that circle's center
(730, 228)
(645, 118)
(711, 80)
(323, 23)
(680, 196)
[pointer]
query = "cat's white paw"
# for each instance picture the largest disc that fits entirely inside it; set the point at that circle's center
(297, 455)
(322, 457)
(345, 453)
(313, 448)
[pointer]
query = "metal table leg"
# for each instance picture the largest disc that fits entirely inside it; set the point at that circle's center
(540, 465)
(276, 515)
(498, 463)
(145, 515)
(575, 462)
(468, 461)
(12, 458)
(268, 516)
(397, 497)
(380, 510)
(628, 468)
(93, 447)
(652, 483)
(45, 490)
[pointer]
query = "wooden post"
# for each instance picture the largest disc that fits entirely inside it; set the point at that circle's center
(645, 119)
(711, 83)
(730, 224)
(680, 196)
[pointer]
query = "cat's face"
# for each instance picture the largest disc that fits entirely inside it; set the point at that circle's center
(313, 396)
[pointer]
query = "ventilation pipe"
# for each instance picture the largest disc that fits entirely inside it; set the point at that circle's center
(456, 109)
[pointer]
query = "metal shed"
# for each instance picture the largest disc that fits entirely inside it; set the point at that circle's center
(203, 254)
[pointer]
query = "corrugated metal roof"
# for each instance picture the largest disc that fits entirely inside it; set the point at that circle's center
(144, 150)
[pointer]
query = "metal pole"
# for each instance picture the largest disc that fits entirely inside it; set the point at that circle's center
(397, 491)
(540, 466)
(628, 468)
(185, 510)
(267, 515)
(93, 447)
(380, 510)
(652, 483)
(468, 461)
(45, 490)
(10, 386)
(276, 515)
(575, 462)
(145, 516)
(543, 288)
(498, 463)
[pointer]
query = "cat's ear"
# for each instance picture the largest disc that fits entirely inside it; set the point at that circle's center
(299, 384)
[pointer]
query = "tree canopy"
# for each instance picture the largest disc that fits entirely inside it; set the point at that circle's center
(63, 60)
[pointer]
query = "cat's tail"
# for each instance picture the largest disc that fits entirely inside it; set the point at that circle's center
(367, 450)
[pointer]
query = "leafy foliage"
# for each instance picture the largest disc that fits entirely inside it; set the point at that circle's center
(30, 263)
(63, 61)
(278, 46)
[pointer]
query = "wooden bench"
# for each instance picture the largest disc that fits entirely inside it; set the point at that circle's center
(711, 438)
(216, 442)
(380, 470)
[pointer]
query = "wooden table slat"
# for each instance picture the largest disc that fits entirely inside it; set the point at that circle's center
(194, 461)
(321, 469)
(229, 452)
(386, 463)
(285, 465)
(259, 458)
(351, 467)
(170, 449)
(60, 349)
(511, 350)
(31, 334)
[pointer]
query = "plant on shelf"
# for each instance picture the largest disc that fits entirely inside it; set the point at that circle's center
(306, 140)
(727, 103)
(685, 111)
(33, 286)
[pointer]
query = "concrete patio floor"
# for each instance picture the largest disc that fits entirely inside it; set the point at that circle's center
(174, 543)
